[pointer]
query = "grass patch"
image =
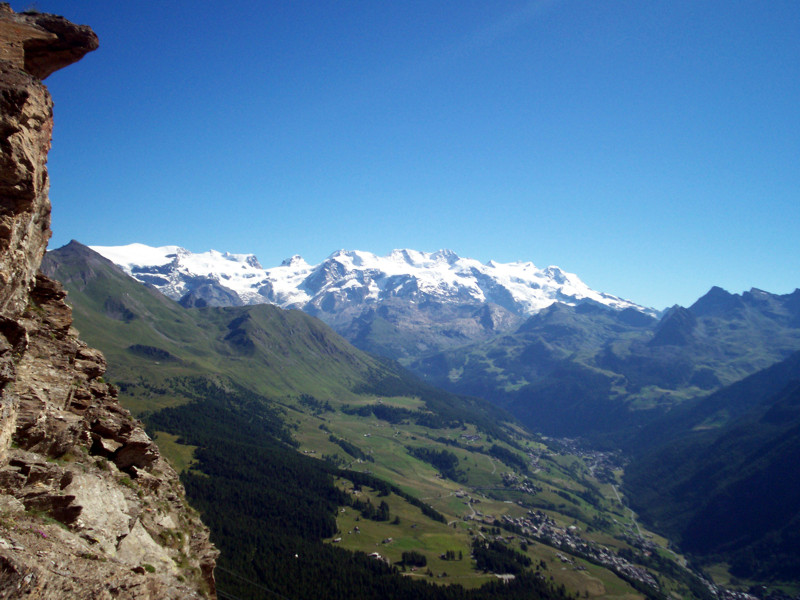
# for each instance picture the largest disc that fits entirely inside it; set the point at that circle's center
(180, 456)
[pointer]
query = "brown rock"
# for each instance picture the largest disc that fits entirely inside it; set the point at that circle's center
(138, 450)
(108, 483)
(68, 450)
(40, 43)
(32, 46)
(25, 129)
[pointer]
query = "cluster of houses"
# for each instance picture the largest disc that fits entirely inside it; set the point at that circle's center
(601, 464)
(514, 481)
(537, 525)
(541, 527)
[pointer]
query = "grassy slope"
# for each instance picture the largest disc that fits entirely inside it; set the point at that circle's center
(271, 351)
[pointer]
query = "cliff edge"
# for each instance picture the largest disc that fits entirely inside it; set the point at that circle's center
(88, 507)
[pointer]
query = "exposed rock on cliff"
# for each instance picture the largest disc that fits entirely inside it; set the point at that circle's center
(88, 507)
(32, 46)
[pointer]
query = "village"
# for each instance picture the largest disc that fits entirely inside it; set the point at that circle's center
(540, 527)
(537, 526)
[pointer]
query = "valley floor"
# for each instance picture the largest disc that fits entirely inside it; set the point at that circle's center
(560, 507)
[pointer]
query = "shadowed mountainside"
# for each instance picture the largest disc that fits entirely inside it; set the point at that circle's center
(720, 475)
(586, 370)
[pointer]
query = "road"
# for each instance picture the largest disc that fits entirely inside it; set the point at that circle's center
(633, 515)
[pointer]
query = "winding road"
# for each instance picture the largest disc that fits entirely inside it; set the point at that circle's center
(633, 515)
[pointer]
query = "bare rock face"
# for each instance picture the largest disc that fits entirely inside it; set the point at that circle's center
(88, 507)
(32, 46)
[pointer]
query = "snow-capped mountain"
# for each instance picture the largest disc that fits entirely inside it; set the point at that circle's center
(351, 289)
(357, 277)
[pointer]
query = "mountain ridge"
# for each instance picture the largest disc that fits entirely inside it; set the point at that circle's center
(137, 325)
(400, 305)
(442, 274)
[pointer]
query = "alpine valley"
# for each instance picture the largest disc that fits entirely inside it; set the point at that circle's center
(288, 437)
(415, 426)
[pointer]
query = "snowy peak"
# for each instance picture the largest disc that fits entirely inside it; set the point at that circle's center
(177, 272)
(133, 255)
(294, 261)
(352, 280)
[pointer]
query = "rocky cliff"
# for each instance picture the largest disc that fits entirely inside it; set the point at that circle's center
(88, 507)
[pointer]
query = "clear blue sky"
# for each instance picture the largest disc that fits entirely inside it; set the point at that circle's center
(653, 148)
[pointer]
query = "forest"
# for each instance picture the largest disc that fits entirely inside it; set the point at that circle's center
(269, 509)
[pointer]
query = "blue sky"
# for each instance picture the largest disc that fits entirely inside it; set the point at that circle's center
(653, 148)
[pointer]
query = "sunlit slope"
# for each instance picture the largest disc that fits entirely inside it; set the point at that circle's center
(148, 338)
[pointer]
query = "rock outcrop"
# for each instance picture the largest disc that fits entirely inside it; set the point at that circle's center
(88, 507)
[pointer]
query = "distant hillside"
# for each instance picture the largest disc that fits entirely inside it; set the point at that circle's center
(722, 477)
(138, 327)
(587, 370)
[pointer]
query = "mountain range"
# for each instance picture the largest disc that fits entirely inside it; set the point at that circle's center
(401, 305)
(322, 470)
(587, 370)
(242, 398)
(620, 376)
(561, 357)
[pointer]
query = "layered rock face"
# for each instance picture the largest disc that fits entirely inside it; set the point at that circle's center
(88, 507)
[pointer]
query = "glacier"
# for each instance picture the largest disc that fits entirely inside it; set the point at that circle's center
(354, 277)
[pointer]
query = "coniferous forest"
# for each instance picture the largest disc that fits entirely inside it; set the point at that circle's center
(269, 508)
